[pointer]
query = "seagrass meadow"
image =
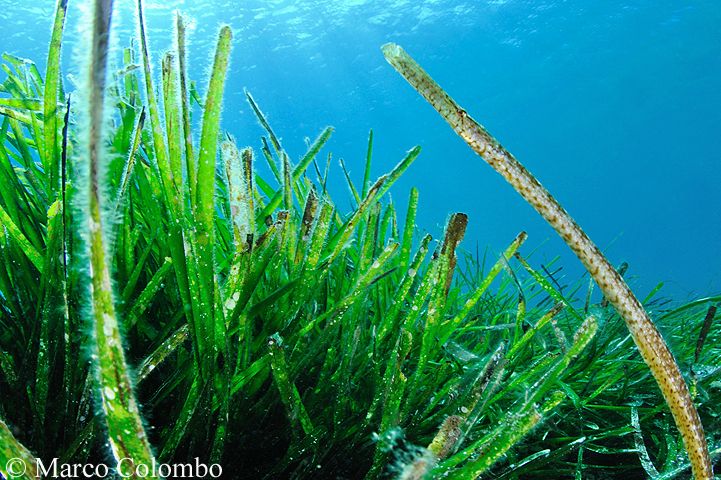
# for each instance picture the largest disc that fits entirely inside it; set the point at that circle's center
(164, 302)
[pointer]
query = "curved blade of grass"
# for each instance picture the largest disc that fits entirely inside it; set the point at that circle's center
(349, 182)
(183, 420)
(53, 297)
(298, 170)
(357, 291)
(21, 117)
(368, 238)
(390, 394)
(306, 224)
(146, 296)
(50, 98)
(489, 376)
(239, 173)
(388, 221)
(703, 334)
(296, 411)
(191, 164)
(205, 202)
(690, 305)
(132, 279)
(408, 229)
(399, 169)
(265, 149)
(523, 341)
(531, 371)
(129, 163)
(367, 171)
(32, 173)
(311, 153)
(11, 191)
(339, 241)
(159, 146)
(264, 123)
(243, 377)
(643, 455)
(32, 104)
(320, 230)
(557, 296)
(13, 455)
(649, 341)
(30, 251)
(175, 234)
(122, 417)
(445, 263)
(161, 353)
(473, 299)
(581, 339)
(173, 122)
(68, 324)
(388, 324)
(287, 244)
(441, 445)
(512, 431)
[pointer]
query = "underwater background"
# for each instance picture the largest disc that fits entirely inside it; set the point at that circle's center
(615, 106)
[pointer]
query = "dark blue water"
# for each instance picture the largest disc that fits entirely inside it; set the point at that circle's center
(614, 105)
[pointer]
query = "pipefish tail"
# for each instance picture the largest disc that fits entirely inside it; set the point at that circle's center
(649, 341)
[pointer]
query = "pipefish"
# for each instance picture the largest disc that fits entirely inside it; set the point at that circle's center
(649, 341)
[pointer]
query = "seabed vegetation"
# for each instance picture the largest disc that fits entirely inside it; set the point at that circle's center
(163, 301)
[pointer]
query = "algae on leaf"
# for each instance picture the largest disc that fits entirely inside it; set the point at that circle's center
(126, 432)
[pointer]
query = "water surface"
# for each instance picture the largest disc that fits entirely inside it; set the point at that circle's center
(614, 105)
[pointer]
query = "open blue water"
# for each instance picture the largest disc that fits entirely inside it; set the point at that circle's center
(615, 105)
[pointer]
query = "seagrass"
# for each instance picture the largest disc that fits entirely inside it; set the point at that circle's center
(315, 335)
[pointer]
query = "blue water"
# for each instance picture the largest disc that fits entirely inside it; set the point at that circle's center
(614, 105)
